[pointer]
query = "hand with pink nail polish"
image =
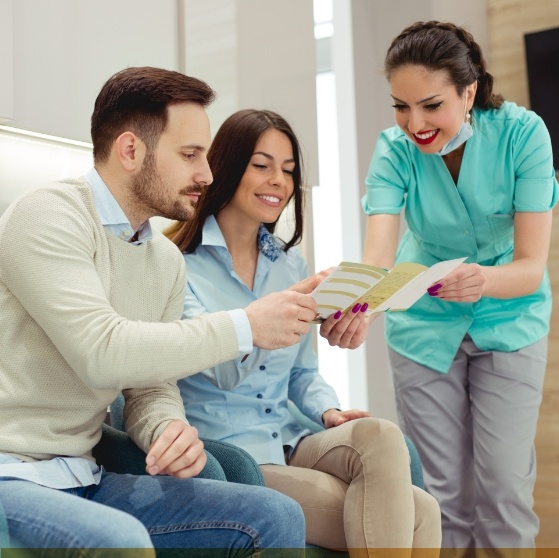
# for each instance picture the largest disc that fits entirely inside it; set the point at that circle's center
(466, 283)
(348, 330)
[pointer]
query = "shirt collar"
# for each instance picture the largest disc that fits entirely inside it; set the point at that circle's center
(267, 243)
(110, 213)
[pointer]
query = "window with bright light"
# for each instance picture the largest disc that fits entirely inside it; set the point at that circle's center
(326, 202)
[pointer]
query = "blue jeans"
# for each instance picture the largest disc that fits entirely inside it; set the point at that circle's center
(142, 512)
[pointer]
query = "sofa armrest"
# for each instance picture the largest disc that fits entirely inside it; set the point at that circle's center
(117, 453)
(238, 465)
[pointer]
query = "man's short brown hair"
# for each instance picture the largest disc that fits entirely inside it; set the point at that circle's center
(136, 100)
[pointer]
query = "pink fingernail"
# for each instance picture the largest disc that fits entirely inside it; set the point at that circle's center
(434, 288)
(338, 315)
(355, 309)
(364, 307)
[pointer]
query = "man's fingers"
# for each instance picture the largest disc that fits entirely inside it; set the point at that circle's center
(161, 444)
(308, 285)
(192, 470)
(188, 463)
(172, 443)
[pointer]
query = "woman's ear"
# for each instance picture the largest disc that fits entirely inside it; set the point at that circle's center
(130, 151)
(471, 95)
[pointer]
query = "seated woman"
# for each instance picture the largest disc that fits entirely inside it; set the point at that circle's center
(352, 479)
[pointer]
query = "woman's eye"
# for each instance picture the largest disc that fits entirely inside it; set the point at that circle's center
(400, 108)
(258, 166)
(288, 171)
(433, 107)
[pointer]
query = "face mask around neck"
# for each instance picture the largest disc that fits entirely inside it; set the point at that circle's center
(465, 132)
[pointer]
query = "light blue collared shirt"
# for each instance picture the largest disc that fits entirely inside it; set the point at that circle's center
(245, 403)
(110, 213)
(70, 472)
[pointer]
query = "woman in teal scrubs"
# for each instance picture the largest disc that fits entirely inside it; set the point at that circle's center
(474, 175)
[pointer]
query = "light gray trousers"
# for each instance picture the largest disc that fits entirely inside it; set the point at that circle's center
(474, 429)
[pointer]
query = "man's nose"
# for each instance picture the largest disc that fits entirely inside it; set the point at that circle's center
(205, 175)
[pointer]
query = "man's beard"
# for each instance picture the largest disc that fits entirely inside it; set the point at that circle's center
(151, 192)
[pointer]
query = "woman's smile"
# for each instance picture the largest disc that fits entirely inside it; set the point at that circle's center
(425, 138)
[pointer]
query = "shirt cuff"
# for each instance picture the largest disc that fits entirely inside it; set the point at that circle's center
(243, 330)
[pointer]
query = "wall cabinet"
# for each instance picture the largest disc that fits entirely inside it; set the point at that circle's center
(64, 50)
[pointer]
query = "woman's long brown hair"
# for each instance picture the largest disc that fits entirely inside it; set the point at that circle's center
(228, 157)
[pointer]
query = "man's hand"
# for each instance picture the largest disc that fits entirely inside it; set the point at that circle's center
(177, 452)
(347, 331)
(279, 319)
(309, 284)
(333, 417)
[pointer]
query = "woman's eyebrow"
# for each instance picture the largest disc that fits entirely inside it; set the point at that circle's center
(268, 156)
(418, 102)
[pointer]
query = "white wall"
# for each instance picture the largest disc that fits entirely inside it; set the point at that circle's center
(259, 54)
(27, 162)
(6, 61)
(64, 50)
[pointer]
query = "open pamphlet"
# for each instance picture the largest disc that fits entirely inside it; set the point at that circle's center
(383, 290)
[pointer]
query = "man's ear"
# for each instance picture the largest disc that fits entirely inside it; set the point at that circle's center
(130, 150)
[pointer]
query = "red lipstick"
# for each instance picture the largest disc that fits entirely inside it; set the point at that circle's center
(426, 141)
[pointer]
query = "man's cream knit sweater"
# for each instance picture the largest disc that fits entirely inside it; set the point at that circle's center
(84, 315)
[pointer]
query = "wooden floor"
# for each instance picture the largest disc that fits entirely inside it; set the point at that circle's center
(547, 440)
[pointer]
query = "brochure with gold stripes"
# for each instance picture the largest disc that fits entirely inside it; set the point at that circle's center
(382, 290)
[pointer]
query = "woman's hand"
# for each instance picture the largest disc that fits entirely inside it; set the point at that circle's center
(347, 331)
(466, 283)
(333, 417)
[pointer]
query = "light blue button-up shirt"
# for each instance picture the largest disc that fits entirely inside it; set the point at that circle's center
(70, 472)
(507, 167)
(110, 213)
(245, 403)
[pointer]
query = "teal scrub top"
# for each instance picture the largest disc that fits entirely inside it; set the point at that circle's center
(507, 167)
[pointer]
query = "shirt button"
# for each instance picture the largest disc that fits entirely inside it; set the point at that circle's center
(268, 410)
(262, 367)
(259, 396)
(274, 435)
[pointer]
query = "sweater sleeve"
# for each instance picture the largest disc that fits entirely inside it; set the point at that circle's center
(147, 411)
(47, 261)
